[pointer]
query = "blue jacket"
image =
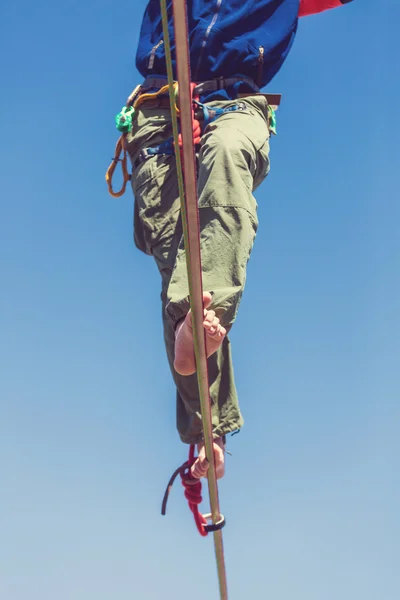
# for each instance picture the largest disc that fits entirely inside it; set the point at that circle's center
(228, 37)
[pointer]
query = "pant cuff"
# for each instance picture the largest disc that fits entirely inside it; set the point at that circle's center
(218, 432)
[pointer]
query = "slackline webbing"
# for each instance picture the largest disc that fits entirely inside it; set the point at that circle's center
(186, 175)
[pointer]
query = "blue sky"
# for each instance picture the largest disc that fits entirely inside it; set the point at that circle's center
(87, 409)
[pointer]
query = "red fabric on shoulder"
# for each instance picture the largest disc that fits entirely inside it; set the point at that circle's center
(311, 7)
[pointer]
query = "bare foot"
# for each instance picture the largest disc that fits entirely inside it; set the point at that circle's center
(200, 467)
(185, 362)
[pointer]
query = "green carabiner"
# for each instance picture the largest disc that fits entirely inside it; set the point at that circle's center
(124, 119)
(272, 120)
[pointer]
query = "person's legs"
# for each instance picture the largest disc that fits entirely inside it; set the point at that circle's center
(233, 161)
(158, 232)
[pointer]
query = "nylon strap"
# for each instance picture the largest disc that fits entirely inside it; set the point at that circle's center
(191, 230)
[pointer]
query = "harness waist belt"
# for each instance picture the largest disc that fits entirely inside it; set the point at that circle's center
(206, 86)
(273, 100)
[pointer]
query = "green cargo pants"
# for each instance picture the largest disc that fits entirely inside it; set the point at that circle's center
(232, 162)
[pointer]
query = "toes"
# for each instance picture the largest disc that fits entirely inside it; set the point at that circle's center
(199, 472)
(207, 298)
(211, 323)
(215, 323)
(216, 327)
(199, 469)
(209, 317)
(215, 330)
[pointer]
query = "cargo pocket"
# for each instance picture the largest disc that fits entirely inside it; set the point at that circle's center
(156, 202)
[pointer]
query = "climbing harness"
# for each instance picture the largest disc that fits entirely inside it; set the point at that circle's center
(203, 116)
(208, 116)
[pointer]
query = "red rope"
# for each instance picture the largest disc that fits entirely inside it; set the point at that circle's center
(193, 492)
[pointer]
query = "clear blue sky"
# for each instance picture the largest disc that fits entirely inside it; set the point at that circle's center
(87, 408)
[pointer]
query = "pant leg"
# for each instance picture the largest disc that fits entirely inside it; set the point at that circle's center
(158, 232)
(233, 161)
